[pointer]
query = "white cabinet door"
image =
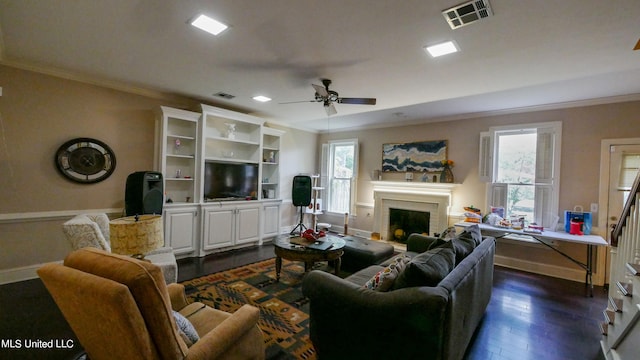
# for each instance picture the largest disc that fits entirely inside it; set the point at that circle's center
(248, 222)
(218, 228)
(181, 231)
(271, 221)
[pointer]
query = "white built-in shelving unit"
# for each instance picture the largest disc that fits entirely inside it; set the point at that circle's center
(270, 176)
(185, 142)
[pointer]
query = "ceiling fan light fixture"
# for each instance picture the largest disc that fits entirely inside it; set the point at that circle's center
(445, 48)
(210, 25)
(261, 98)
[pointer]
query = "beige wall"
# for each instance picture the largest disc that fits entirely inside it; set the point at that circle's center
(298, 156)
(583, 129)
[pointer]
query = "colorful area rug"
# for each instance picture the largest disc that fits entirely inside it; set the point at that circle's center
(284, 311)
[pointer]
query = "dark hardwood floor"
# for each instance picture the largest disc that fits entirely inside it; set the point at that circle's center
(530, 316)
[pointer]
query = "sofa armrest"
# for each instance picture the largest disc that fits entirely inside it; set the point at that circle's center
(226, 335)
(345, 317)
(177, 296)
(420, 243)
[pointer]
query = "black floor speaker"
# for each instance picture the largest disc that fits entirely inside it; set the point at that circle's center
(301, 190)
(143, 193)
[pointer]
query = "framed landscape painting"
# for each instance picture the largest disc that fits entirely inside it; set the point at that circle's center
(414, 157)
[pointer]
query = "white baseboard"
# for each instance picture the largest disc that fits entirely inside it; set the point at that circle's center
(8, 276)
(542, 269)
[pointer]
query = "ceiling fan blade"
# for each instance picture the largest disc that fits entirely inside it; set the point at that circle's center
(321, 90)
(297, 102)
(330, 109)
(357, 101)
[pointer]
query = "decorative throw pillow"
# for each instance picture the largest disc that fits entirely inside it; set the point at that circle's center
(401, 262)
(472, 232)
(186, 329)
(384, 279)
(463, 247)
(428, 268)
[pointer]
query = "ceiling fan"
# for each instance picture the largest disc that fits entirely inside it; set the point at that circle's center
(328, 97)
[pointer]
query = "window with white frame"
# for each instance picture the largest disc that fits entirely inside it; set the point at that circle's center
(521, 164)
(339, 175)
(628, 173)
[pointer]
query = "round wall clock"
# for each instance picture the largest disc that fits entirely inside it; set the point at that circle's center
(85, 160)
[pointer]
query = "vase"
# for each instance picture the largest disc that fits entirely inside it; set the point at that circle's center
(446, 176)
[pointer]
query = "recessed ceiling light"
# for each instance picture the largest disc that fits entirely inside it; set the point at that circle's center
(261, 98)
(209, 25)
(442, 49)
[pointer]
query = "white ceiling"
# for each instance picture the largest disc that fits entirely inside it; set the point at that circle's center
(529, 54)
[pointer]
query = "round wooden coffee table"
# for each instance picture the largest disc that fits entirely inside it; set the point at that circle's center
(286, 250)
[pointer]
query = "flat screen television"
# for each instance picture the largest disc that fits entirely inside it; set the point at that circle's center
(230, 181)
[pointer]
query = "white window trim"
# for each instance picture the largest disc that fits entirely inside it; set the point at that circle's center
(496, 195)
(325, 173)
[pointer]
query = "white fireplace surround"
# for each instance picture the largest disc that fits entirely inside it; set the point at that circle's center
(434, 198)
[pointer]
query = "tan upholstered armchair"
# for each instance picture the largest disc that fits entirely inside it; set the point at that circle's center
(121, 308)
(92, 230)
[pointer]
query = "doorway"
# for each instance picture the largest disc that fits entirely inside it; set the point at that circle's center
(619, 159)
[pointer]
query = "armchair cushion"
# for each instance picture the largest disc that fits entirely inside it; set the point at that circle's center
(428, 268)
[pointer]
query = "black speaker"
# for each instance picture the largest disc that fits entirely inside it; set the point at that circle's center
(301, 190)
(143, 193)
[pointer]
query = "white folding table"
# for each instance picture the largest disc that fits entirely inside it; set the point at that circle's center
(589, 240)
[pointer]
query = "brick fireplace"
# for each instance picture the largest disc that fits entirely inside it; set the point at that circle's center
(433, 198)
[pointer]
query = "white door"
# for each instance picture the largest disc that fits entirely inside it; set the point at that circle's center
(614, 154)
(623, 167)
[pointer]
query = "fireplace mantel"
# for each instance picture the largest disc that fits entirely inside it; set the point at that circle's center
(411, 186)
(432, 197)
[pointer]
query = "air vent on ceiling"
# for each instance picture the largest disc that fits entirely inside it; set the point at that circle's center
(467, 13)
(224, 95)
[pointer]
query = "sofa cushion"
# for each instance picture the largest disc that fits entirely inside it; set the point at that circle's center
(384, 279)
(360, 277)
(463, 246)
(472, 232)
(428, 268)
(449, 233)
